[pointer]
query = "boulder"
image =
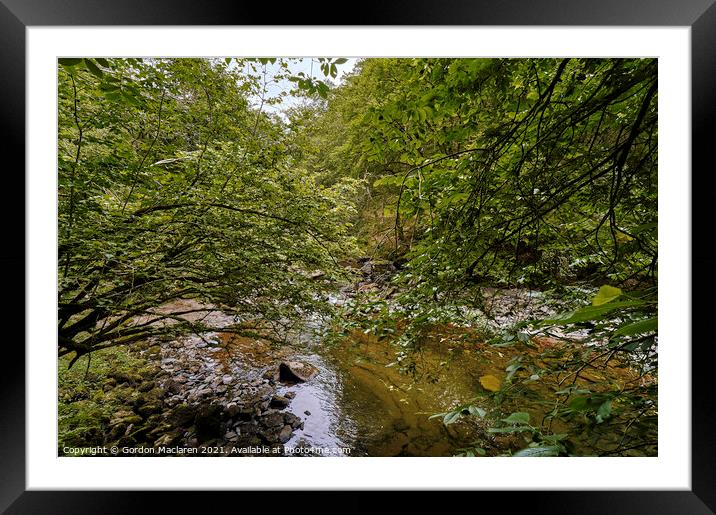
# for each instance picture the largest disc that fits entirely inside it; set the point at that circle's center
(146, 386)
(279, 402)
(291, 420)
(117, 431)
(274, 419)
(172, 386)
(149, 408)
(128, 419)
(181, 416)
(296, 372)
(232, 409)
(285, 434)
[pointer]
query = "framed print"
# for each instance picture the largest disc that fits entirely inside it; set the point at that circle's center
(419, 247)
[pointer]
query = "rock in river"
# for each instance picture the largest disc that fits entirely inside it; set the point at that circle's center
(285, 434)
(296, 372)
(278, 401)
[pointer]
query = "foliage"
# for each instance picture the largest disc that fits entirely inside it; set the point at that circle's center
(469, 174)
(85, 401)
(170, 186)
(511, 172)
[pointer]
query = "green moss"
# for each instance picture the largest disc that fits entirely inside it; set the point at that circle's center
(87, 396)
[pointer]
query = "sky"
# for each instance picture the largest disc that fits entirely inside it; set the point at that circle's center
(307, 65)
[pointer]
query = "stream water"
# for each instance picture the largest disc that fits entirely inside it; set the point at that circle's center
(358, 404)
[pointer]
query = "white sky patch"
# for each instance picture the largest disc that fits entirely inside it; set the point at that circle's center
(279, 89)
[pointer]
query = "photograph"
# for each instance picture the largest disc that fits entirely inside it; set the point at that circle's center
(347, 256)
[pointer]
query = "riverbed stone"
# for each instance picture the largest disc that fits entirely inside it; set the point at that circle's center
(146, 386)
(149, 408)
(272, 419)
(296, 371)
(172, 386)
(279, 401)
(182, 416)
(292, 420)
(285, 434)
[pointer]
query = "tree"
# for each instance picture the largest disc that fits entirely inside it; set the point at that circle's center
(507, 172)
(172, 186)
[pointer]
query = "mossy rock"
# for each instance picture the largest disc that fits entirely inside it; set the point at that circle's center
(146, 386)
(149, 408)
(131, 419)
(181, 416)
(156, 392)
(125, 377)
(160, 429)
(167, 439)
(117, 431)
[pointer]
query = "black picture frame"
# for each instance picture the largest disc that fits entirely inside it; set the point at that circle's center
(700, 15)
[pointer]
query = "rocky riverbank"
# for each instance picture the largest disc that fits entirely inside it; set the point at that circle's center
(239, 396)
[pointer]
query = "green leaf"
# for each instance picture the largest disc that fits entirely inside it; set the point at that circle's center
(644, 227)
(388, 180)
(102, 62)
(606, 294)
(580, 403)
(474, 410)
(604, 411)
(69, 61)
(647, 325)
(93, 68)
(341, 60)
(593, 312)
(519, 417)
(534, 452)
(113, 95)
(451, 417)
(514, 429)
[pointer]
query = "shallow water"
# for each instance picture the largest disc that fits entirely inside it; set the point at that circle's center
(359, 404)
